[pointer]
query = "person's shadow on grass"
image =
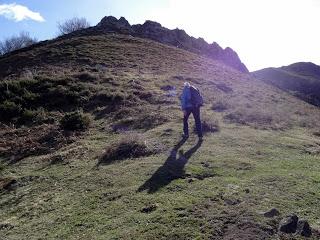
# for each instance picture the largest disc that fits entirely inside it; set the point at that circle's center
(172, 169)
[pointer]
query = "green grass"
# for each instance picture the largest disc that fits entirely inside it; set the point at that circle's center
(77, 200)
(212, 190)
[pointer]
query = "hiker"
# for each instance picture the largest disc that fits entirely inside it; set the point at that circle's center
(191, 101)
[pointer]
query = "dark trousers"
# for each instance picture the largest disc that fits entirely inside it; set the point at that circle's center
(196, 114)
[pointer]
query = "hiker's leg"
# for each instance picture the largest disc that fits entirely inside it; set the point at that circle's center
(185, 122)
(196, 115)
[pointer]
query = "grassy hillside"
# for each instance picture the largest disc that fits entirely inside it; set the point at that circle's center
(129, 175)
(299, 79)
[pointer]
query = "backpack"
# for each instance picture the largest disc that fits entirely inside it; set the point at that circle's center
(196, 98)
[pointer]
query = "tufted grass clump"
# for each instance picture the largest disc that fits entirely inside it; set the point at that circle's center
(209, 125)
(74, 121)
(130, 146)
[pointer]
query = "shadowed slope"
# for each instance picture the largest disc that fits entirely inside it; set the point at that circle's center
(300, 79)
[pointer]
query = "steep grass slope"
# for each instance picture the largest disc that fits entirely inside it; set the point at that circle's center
(129, 176)
(300, 79)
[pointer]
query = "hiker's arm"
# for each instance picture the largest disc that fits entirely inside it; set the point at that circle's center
(185, 97)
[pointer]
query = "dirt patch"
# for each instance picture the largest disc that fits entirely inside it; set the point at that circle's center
(247, 230)
(244, 166)
(233, 222)
(7, 183)
(141, 122)
(238, 226)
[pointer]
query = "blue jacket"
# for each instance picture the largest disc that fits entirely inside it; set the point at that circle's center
(186, 98)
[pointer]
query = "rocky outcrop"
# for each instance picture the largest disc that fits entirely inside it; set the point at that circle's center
(177, 37)
(303, 228)
(271, 213)
(111, 24)
(292, 224)
(289, 224)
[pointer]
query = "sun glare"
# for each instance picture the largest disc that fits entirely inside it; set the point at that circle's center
(264, 33)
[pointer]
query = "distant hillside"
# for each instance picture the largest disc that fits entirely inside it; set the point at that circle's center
(300, 79)
(177, 38)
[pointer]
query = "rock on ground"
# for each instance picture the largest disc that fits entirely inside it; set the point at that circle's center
(289, 224)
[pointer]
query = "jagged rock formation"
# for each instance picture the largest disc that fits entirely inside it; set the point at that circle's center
(177, 37)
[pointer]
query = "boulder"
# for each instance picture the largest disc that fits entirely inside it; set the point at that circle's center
(271, 213)
(112, 24)
(150, 208)
(303, 228)
(289, 224)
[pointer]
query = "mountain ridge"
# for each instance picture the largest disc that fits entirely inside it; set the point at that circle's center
(156, 32)
(149, 30)
(178, 38)
(301, 79)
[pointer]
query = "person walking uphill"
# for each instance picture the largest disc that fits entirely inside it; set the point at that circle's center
(191, 101)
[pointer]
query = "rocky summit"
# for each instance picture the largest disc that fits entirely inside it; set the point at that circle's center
(177, 38)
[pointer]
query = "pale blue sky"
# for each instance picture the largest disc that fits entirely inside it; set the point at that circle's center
(59, 10)
(264, 33)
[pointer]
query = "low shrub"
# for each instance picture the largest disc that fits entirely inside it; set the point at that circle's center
(86, 77)
(64, 97)
(2, 167)
(209, 125)
(9, 111)
(29, 117)
(248, 118)
(123, 125)
(131, 146)
(219, 106)
(259, 119)
(104, 98)
(52, 94)
(150, 121)
(16, 91)
(317, 134)
(145, 121)
(75, 121)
